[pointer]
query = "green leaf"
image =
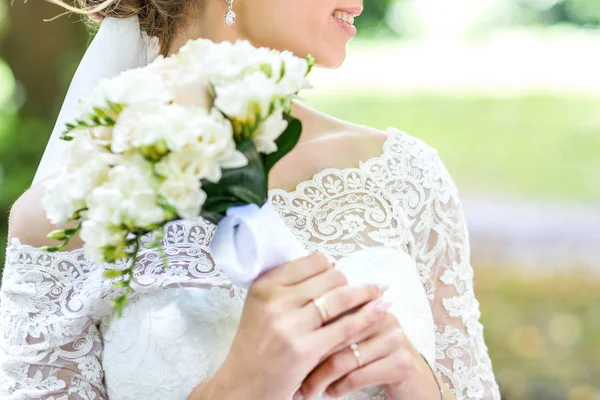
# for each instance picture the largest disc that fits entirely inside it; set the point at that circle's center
(237, 186)
(51, 249)
(285, 143)
(252, 176)
(282, 73)
(311, 62)
(246, 195)
(113, 273)
(213, 217)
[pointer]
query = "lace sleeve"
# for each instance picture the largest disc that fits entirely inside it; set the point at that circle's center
(49, 345)
(426, 198)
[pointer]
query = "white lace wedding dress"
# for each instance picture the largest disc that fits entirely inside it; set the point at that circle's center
(60, 340)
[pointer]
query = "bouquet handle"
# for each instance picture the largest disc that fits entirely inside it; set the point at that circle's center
(251, 240)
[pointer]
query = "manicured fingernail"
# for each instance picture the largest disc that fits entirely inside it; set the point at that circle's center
(382, 306)
(383, 287)
(298, 396)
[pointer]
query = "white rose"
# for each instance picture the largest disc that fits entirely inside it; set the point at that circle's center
(87, 147)
(190, 88)
(188, 83)
(134, 180)
(184, 193)
(294, 78)
(246, 99)
(96, 236)
(268, 132)
(178, 126)
(131, 87)
(105, 205)
(87, 165)
(59, 207)
(137, 126)
(102, 135)
(183, 126)
(220, 61)
(128, 197)
(201, 145)
(218, 142)
(194, 52)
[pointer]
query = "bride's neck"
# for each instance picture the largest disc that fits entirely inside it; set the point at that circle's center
(204, 22)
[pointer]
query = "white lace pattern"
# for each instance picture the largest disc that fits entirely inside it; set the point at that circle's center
(59, 339)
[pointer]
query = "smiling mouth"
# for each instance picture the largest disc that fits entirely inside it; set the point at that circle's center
(344, 16)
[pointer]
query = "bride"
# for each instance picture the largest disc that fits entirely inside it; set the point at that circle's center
(187, 332)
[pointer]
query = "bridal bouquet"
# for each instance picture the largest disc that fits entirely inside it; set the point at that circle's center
(194, 134)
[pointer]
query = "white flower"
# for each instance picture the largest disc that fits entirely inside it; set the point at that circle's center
(102, 135)
(220, 61)
(182, 129)
(188, 83)
(184, 193)
(136, 127)
(131, 87)
(246, 99)
(59, 207)
(268, 132)
(194, 52)
(128, 197)
(217, 140)
(96, 236)
(294, 78)
(86, 147)
(86, 167)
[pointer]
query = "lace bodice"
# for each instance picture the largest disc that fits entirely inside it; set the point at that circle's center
(59, 338)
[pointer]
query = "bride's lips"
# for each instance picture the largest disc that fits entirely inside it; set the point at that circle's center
(344, 17)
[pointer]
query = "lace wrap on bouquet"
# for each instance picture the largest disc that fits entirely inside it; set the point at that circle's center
(60, 340)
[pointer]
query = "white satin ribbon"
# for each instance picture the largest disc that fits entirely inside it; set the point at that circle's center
(118, 46)
(252, 240)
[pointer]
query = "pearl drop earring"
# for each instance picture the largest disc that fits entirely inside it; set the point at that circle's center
(230, 16)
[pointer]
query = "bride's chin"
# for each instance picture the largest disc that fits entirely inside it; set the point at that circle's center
(332, 59)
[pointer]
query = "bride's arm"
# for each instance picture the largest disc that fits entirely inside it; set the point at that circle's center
(27, 221)
(443, 257)
(49, 345)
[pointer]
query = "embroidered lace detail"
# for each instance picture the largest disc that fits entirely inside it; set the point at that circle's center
(59, 339)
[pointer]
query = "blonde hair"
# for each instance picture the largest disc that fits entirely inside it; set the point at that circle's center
(158, 18)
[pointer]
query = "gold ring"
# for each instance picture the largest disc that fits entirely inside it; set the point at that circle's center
(354, 348)
(321, 305)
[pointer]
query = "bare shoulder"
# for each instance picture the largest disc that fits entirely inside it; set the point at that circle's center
(27, 221)
(365, 142)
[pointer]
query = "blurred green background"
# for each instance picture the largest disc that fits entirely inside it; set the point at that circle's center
(508, 91)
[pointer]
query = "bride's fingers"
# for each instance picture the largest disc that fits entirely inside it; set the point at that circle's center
(298, 271)
(394, 368)
(317, 286)
(335, 303)
(388, 322)
(345, 361)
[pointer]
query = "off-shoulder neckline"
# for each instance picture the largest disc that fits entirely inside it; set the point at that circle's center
(390, 133)
(16, 244)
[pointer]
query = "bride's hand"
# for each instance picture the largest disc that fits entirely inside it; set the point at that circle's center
(384, 356)
(282, 337)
